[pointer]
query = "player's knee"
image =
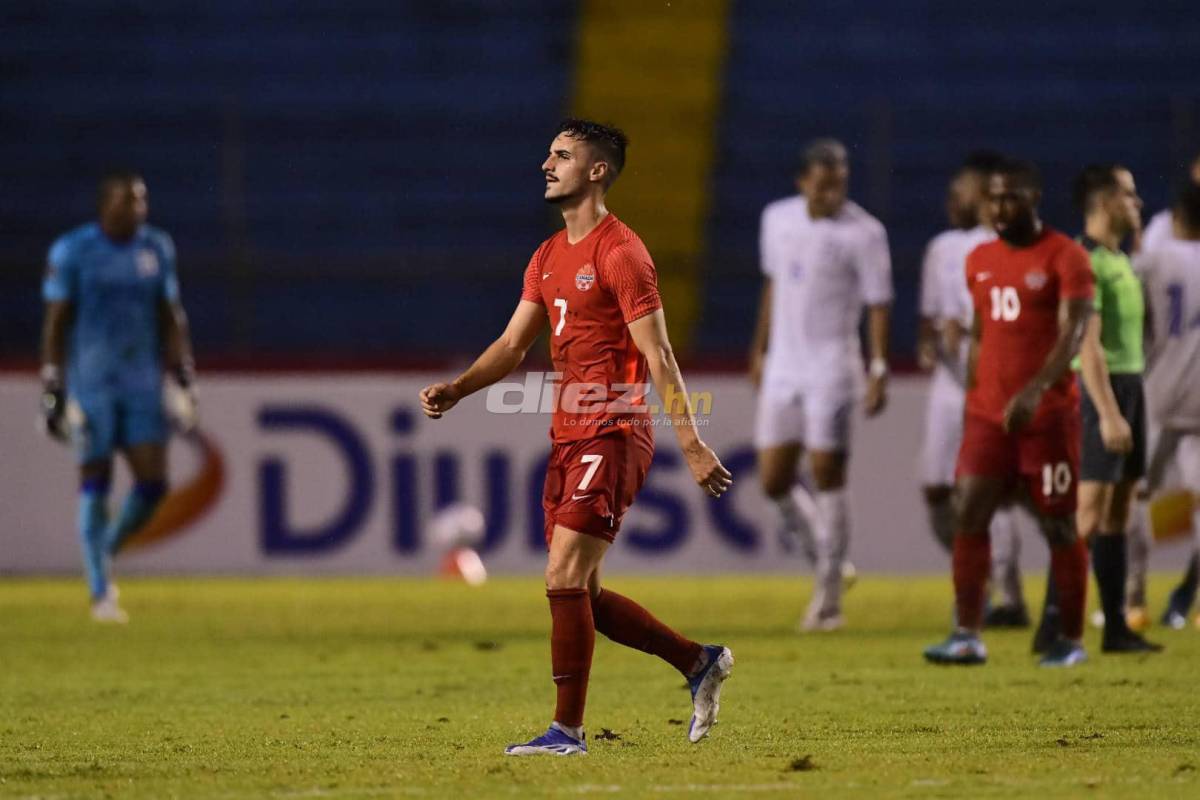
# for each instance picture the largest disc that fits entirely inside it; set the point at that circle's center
(972, 513)
(776, 482)
(937, 495)
(829, 472)
(566, 574)
(1058, 530)
(1087, 521)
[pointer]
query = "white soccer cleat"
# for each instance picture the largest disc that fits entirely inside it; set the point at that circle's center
(107, 610)
(818, 618)
(705, 686)
(849, 575)
(816, 623)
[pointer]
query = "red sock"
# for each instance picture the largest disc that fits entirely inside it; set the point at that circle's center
(1069, 565)
(972, 562)
(572, 638)
(627, 623)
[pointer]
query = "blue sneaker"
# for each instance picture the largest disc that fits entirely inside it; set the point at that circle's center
(1063, 653)
(706, 690)
(554, 742)
(961, 647)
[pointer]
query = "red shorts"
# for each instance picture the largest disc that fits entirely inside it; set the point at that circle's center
(591, 483)
(1045, 455)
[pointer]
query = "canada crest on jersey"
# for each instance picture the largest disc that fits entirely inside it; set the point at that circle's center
(586, 277)
(147, 263)
(1036, 280)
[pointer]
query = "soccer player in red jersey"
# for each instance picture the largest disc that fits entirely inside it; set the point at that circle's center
(1032, 291)
(595, 284)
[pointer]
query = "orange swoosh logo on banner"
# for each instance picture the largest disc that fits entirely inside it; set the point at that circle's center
(1171, 515)
(191, 501)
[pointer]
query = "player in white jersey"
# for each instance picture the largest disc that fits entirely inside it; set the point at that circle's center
(1171, 275)
(823, 258)
(1160, 228)
(946, 312)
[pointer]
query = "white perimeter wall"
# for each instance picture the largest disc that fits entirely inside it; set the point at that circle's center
(383, 482)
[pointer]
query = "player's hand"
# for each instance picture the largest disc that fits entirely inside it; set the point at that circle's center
(1116, 434)
(52, 419)
(438, 398)
(183, 405)
(927, 355)
(756, 369)
(707, 469)
(1021, 408)
(876, 399)
(52, 407)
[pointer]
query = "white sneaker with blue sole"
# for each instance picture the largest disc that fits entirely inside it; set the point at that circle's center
(554, 742)
(960, 647)
(706, 690)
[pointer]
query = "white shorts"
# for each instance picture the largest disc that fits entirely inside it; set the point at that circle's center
(816, 419)
(943, 430)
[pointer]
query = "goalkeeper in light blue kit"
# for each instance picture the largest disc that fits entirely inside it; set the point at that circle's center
(113, 323)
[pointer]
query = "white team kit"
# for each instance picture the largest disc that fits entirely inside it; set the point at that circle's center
(1170, 273)
(945, 296)
(822, 273)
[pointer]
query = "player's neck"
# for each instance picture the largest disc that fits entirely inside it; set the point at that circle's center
(581, 218)
(117, 235)
(1025, 238)
(1099, 231)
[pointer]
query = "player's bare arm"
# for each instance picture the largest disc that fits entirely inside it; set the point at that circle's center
(54, 355)
(927, 343)
(177, 340)
(973, 350)
(650, 336)
(762, 329)
(1114, 429)
(1073, 317)
(500, 358)
(878, 321)
(54, 333)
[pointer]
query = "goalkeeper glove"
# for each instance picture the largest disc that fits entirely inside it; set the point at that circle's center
(52, 420)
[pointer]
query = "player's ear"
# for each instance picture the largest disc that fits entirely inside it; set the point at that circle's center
(599, 173)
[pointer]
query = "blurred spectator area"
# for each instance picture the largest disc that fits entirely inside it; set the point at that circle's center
(359, 180)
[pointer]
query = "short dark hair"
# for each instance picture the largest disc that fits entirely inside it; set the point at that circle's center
(1093, 180)
(1187, 207)
(1024, 171)
(821, 153)
(984, 162)
(112, 180)
(608, 140)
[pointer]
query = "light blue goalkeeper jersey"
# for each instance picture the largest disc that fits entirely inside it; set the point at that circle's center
(115, 288)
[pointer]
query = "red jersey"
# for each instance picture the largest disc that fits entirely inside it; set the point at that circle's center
(1016, 292)
(591, 291)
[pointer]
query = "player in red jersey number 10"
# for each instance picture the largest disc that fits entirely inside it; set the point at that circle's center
(1032, 292)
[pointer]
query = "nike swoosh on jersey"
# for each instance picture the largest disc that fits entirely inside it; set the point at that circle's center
(545, 275)
(581, 496)
(983, 276)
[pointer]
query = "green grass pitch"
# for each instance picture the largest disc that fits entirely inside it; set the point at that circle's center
(345, 688)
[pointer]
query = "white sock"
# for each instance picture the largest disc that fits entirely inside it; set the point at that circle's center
(1138, 544)
(833, 540)
(798, 511)
(1006, 556)
(574, 733)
